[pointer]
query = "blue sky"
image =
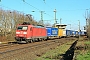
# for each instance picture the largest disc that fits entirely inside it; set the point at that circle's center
(69, 10)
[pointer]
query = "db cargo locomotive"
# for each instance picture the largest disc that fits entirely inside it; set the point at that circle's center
(29, 33)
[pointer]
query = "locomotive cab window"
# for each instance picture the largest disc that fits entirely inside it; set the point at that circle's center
(22, 28)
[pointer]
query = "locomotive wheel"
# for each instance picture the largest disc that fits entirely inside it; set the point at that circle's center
(27, 41)
(38, 39)
(31, 41)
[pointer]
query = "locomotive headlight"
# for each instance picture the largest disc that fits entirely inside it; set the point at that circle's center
(24, 32)
(17, 32)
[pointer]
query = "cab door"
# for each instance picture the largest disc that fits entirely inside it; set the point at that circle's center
(31, 32)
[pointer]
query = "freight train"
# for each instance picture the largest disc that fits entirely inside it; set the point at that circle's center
(29, 33)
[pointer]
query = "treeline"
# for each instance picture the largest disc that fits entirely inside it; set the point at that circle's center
(10, 19)
(88, 27)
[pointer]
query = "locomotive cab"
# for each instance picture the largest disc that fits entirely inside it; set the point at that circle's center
(23, 33)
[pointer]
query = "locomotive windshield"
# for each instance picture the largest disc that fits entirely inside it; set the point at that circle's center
(22, 28)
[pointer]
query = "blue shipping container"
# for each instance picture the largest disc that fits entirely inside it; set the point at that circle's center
(52, 31)
(68, 32)
(74, 33)
(79, 33)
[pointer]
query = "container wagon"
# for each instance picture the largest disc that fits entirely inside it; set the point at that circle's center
(83, 32)
(52, 32)
(75, 33)
(64, 33)
(60, 33)
(68, 33)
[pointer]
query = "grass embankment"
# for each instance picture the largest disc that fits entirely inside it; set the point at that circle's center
(83, 54)
(55, 53)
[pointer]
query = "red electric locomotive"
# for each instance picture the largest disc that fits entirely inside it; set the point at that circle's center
(29, 33)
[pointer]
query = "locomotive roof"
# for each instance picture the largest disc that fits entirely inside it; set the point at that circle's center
(39, 26)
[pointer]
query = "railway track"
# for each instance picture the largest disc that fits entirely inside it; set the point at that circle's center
(11, 52)
(2, 46)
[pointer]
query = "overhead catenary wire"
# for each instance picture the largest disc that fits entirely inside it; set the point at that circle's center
(20, 11)
(47, 4)
(36, 8)
(47, 13)
(42, 12)
(30, 5)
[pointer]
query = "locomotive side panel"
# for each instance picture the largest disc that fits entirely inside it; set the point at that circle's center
(29, 32)
(39, 32)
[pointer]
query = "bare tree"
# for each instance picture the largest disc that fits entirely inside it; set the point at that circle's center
(88, 27)
(10, 19)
